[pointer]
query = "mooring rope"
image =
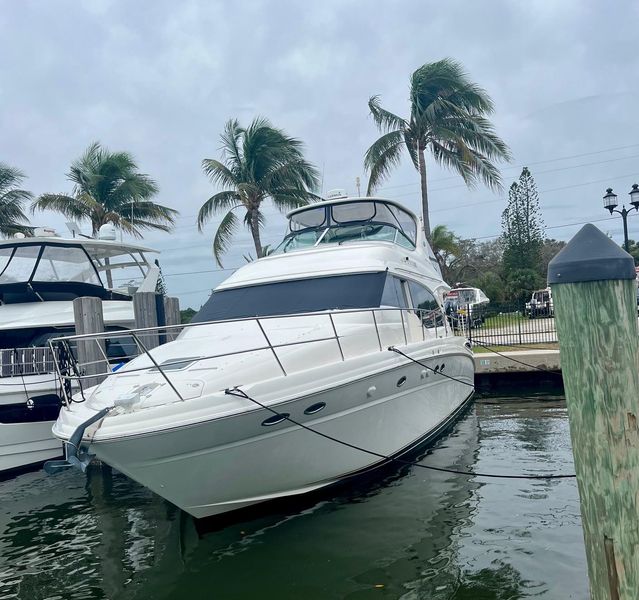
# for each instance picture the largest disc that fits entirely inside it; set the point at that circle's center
(239, 393)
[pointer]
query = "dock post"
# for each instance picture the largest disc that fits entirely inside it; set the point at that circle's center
(594, 292)
(172, 316)
(89, 318)
(146, 315)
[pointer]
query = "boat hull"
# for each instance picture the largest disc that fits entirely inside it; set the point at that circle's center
(224, 464)
(27, 442)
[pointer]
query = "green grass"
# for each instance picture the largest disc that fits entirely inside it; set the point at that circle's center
(503, 319)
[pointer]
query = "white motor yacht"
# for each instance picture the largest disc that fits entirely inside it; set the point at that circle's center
(286, 381)
(39, 278)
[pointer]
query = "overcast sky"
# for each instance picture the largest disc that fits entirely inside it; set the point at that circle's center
(160, 78)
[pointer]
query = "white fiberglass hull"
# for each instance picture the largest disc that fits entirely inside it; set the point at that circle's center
(223, 464)
(26, 443)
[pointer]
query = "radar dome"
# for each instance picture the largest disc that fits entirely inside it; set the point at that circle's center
(107, 232)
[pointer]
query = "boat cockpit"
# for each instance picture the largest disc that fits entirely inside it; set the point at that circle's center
(349, 221)
(40, 270)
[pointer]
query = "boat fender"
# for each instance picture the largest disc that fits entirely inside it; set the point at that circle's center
(75, 455)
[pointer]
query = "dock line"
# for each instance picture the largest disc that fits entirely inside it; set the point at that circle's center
(239, 393)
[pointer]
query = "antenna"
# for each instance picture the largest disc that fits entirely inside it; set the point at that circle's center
(359, 191)
(73, 227)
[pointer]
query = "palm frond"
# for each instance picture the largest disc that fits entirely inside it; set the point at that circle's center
(384, 119)
(230, 138)
(220, 201)
(69, 206)
(285, 199)
(292, 173)
(223, 236)
(383, 155)
(218, 173)
(446, 79)
(10, 177)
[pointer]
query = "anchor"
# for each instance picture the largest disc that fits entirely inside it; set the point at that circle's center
(75, 455)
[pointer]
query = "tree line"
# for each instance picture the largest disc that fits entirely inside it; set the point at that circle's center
(448, 118)
(511, 266)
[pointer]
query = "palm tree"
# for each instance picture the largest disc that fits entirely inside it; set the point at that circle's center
(109, 189)
(11, 201)
(448, 117)
(446, 248)
(258, 163)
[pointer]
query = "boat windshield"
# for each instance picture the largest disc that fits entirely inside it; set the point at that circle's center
(47, 263)
(37, 271)
(349, 222)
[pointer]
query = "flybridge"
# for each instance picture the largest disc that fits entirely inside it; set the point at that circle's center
(341, 220)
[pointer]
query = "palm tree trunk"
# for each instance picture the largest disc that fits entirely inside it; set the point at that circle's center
(422, 177)
(255, 232)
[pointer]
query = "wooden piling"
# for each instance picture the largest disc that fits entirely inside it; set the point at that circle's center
(172, 317)
(595, 301)
(145, 310)
(89, 318)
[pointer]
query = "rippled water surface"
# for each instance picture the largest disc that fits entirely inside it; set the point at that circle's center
(408, 534)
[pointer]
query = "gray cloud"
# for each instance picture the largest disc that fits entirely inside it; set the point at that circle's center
(159, 79)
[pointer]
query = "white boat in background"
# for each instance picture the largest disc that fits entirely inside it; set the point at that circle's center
(39, 278)
(210, 420)
(466, 307)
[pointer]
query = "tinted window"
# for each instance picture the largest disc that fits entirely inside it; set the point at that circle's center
(313, 217)
(424, 300)
(422, 297)
(393, 294)
(362, 290)
(356, 211)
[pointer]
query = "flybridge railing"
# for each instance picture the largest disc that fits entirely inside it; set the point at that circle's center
(16, 362)
(353, 332)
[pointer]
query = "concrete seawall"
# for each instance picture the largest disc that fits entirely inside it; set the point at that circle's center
(506, 362)
(513, 371)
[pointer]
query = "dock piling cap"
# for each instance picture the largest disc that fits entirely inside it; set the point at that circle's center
(590, 256)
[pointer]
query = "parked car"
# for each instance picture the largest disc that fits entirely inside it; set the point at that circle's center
(466, 306)
(540, 304)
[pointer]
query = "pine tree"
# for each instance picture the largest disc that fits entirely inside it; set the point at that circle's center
(523, 235)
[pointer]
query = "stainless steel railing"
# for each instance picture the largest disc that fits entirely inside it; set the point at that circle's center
(16, 362)
(413, 326)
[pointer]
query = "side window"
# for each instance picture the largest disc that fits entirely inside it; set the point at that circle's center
(393, 295)
(424, 300)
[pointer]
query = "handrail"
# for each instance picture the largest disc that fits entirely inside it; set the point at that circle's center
(32, 360)
(421, 314)
(160, 328)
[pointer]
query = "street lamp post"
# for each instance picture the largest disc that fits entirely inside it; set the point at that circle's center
(610, 203)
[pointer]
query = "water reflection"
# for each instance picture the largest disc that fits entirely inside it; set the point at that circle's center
(411, 534)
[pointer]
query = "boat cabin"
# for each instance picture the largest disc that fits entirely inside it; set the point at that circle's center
(349, 220)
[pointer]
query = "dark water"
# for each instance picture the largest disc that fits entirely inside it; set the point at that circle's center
(411, 534)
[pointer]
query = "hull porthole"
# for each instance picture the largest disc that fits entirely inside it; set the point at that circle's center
(275, 419)
(401, 381)
(315, 408)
